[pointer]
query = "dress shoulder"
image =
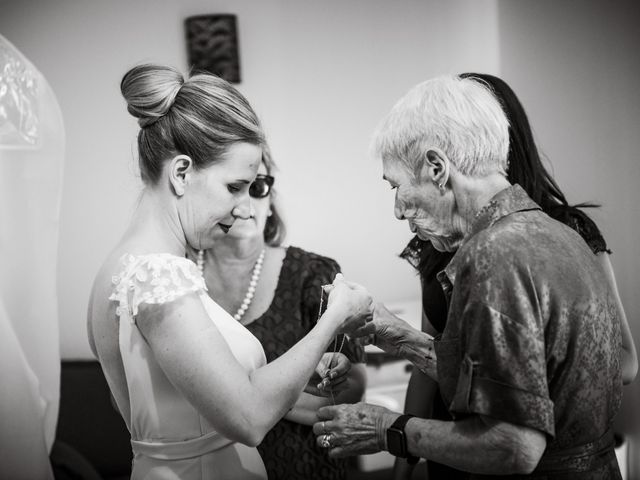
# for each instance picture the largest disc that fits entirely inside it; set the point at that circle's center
(155, 279)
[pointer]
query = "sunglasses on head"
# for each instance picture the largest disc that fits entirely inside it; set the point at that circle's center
(261, 186)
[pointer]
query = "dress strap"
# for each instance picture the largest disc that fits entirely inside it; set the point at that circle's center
(194, 447)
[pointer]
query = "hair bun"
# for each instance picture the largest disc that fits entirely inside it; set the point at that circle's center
(150, 91)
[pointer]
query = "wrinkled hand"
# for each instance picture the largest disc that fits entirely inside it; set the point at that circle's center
(351, 301)
(330, 375)
(431, 364)
(384, 331)
(390, 333)
(356, 429)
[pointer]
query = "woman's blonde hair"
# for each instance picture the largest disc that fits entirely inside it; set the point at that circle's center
(274, 228)
(200, 116)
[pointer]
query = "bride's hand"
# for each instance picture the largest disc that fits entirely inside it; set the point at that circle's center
(330, 375)
(351, 302)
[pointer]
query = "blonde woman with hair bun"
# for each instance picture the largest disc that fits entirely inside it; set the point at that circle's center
(190, 382)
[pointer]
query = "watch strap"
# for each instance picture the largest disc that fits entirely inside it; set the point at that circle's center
(401, 421)
(399, 425)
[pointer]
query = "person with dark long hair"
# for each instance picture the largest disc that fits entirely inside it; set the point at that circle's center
(525, 168)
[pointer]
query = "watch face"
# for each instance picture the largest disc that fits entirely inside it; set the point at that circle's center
(395, 442)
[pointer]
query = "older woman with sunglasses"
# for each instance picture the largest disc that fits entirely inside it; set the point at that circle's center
(274, 292)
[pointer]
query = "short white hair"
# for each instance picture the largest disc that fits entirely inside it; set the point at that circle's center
(459, 116)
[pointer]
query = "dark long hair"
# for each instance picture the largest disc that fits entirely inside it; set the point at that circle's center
(525, 166)
(526, 169)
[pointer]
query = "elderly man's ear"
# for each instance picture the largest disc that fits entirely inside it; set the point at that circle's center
(435, 168)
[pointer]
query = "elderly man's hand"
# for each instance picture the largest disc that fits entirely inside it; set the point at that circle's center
(389, 330)
(385, 330)
(352, 302)
(398, 338)
(353, 429)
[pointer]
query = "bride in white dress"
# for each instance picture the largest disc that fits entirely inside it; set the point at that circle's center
(190, 382)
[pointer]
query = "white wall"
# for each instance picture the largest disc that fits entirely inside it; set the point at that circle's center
(575, 66)
(320, 74)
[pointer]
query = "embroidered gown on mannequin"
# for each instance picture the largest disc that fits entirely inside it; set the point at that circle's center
(31, 165)
(169, 438)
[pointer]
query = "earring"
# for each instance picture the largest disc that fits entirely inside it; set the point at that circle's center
(270, 213)
(441, 186)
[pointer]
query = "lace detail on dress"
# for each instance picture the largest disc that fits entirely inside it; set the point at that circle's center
(155, 279)
(19, 109)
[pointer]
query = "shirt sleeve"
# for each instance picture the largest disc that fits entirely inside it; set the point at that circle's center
(503, 371)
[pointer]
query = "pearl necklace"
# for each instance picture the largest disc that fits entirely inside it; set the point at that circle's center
(255, 276)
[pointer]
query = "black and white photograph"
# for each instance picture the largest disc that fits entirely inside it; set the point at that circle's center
(319, 239)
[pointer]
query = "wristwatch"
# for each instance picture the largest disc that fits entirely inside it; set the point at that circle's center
(397, 440)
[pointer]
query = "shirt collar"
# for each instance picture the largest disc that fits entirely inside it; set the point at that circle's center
(510, 200)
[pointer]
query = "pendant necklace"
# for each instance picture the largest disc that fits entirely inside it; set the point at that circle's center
(255, 276)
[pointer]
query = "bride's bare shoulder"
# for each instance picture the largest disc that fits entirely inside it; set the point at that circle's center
(111, 267)
(102, 333)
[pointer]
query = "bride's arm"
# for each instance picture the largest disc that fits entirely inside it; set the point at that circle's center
(197, 360)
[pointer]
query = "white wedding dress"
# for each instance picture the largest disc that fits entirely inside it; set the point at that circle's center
(170, 439)
(32, 156)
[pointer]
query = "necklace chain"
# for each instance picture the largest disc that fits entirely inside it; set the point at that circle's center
(335, 342)
(255, 276)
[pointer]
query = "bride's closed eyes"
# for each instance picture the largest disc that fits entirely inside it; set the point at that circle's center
(237, 187)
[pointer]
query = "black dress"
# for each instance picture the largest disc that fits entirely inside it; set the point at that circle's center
(289, 450)
(429, 261)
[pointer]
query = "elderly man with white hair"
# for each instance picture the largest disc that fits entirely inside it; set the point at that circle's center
(529, 361)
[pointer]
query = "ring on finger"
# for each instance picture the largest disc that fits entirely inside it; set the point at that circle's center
(326, 441)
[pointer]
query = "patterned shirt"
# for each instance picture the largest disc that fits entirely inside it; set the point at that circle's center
(532, 335)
